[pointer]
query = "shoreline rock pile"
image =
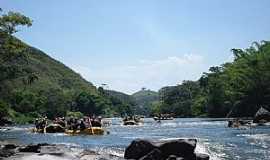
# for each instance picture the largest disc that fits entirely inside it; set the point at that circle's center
(175, 149)
(46, 151)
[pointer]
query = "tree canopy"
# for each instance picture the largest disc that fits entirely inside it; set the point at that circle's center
(232, 89)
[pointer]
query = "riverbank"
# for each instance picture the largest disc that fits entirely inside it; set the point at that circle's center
(44, 151)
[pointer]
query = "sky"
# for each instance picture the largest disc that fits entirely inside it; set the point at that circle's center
(133, 44)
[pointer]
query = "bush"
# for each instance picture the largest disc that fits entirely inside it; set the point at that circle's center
(4, 109)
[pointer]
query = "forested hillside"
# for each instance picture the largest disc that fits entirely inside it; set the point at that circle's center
(32, 84)
(233, 89)
(123, 103)
(144, 100)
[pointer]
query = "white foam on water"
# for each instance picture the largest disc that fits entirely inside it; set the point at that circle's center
(26, 156)
(134, 137)
(171, 124)
(110, 151)
(15, 128)
(58, 134)
(167, 139)
(4, 129)
(68, 144)
(201, 123)
(256, 136)
(201, 148)
(258, 139)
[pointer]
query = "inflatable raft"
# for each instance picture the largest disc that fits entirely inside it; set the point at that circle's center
(130, 122)
(51, 128)
(87, 131)
(162, 118)
(35, 130)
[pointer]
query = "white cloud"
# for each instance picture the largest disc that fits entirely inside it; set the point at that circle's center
(152, 74)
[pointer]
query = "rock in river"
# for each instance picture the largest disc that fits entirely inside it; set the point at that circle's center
(164, 150)
(138, 148)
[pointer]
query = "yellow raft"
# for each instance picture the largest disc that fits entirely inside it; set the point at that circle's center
(35, 130)
(88, 131)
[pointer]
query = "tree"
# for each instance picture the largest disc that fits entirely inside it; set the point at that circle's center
(13, 53)
(9, 22)
(9, 46)
(3, 110)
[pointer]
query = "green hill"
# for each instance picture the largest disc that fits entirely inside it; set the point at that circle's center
(121, 96)
(139, 103)
(54, 74)
(144, 100)
(125, 103)
(147, 94)
(34, 84)
(54, 88)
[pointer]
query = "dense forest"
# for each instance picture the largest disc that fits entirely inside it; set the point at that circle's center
(233, 89)
(32, 84)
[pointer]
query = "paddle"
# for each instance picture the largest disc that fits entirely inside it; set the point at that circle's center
(91, 126)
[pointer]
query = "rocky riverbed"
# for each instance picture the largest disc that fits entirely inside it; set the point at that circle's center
(44, 151)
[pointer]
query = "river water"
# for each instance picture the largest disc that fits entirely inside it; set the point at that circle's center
(213, 136)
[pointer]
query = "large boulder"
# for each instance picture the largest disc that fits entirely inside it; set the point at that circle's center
(155, 154)
(10, 146)
(138, 148)
(163, 150)
(262, 115)
(32, 148)
(177, 147)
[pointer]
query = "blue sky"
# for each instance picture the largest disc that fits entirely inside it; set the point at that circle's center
(133, 44)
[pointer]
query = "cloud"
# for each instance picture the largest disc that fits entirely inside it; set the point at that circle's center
(152, 74)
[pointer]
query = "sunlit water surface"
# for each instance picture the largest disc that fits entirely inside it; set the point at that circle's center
(213, 136)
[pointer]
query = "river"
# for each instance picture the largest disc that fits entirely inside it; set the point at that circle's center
(214, 137)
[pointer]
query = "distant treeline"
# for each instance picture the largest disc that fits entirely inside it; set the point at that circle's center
(233, 89)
